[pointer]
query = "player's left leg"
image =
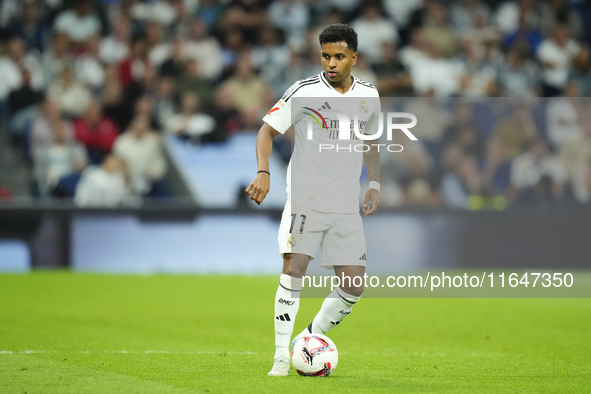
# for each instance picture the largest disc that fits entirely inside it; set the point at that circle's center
(340, 302)
(344, 250)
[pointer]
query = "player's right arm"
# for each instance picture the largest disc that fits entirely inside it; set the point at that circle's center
(259, 188)
(277, 121)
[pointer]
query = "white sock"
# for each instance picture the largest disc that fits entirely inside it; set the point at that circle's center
(287, 303)
(334, 309)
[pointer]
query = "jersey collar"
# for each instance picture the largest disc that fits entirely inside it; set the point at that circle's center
(323, 79)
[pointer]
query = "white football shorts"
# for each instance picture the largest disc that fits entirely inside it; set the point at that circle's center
(340, 235)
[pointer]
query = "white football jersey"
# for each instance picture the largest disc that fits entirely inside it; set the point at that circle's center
(324, 170)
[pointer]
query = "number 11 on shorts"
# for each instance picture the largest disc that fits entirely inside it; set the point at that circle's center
(293, 218)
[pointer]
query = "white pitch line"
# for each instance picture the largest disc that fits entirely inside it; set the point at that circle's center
(241, 353)
(127, 352)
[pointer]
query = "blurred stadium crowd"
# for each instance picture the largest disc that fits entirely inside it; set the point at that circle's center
(88, 89)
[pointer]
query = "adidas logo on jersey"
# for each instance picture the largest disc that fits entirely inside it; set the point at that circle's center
(363, 257)
(285, 302)
(324, 106)
(284, 317)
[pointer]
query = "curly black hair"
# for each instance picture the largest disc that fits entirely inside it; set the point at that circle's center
(339, 32)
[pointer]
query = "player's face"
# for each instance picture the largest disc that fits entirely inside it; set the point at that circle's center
(337, 60)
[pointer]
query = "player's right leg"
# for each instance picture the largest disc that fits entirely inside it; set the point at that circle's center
(287, 304)
(300, 233)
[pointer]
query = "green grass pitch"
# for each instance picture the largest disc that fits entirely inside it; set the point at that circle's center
(62, 332)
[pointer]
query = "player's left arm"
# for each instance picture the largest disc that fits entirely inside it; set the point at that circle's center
(372, 164)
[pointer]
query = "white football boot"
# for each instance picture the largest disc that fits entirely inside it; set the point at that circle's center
(280, 367)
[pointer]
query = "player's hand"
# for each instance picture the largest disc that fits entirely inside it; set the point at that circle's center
(259, 188)
(372, 201)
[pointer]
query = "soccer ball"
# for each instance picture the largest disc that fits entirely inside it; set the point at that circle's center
(314, 355)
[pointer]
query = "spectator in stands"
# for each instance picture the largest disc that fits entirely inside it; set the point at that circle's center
(479, 71)
(556, 54)
(226, 116)
(96, 132)
(11, 66)
(41, 134)
(115, 47)
(416, 50)
(461, 182)
(63, 157)
(299, 67)
(23, 103)
(158, 48)
(559, 12)
(292, 17)
(438, 32)
(30, 27)
(9, 10)
(133, 67)
(470, 141)
(144, 107)
(247, 89)
(104, 186)
(79, 23)
(413, 156)
(420, 188)
(161, 12)
(581, 73)
(437, 74)
(89, 68)
(401, 11)
(517, 75)
(509, 14)
(536, 167)
(393, 77)
(72, 97)
(147, 85)
(189, 122)
(364, 71)
(164, 101)
(113, 106)
(563, 118)
(270, 57)
(495, 169)
(232, 45)
(184, 15)
(575, 156)
(57, 57)
(140, 149)
(374, 30)
(435, 119)
(205, 49)
(516, 132)
(466, 13)
(246, 16)
(192, 81)
(526, 36)
(173, 66)
(210, 12)
(463, 117)
(581, 181)
(482, 32)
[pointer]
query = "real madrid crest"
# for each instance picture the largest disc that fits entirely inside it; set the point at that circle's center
(363, 108)
(291, 242)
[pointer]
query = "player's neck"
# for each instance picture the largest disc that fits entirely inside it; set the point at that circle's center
(343, 86)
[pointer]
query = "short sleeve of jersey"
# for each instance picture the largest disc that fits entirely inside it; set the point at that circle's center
(279, 117)
(373, 122)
